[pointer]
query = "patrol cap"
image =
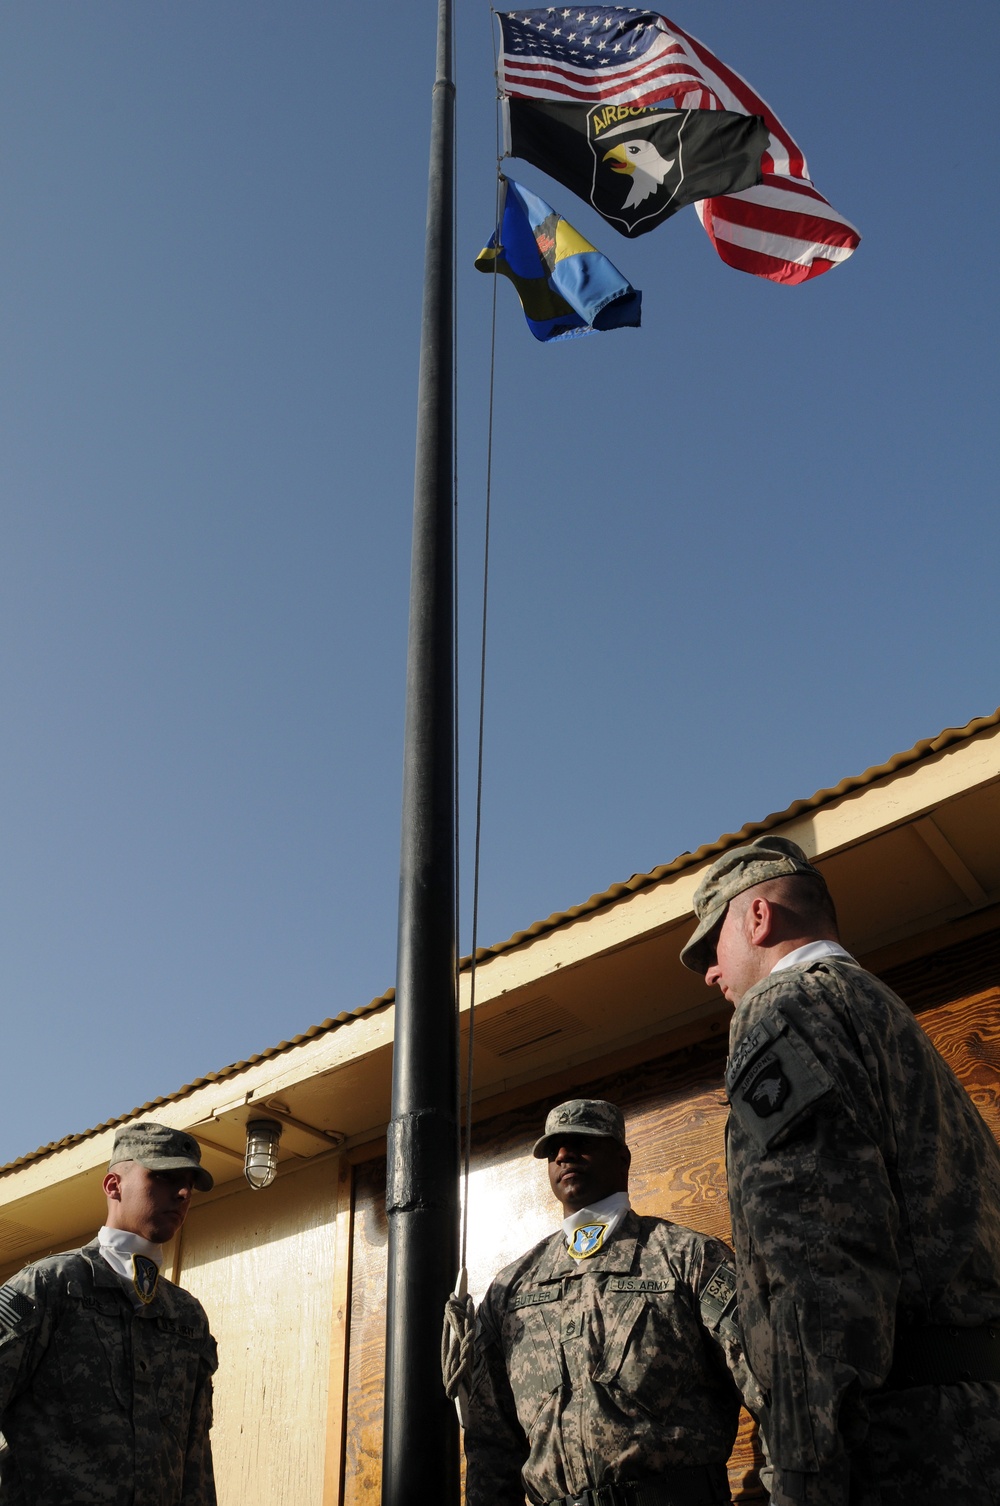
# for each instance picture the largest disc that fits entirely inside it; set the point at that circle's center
(742, 868)
(582, 1116)
(161, 1149)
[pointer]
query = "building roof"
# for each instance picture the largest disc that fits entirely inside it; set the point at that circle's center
(925, 749)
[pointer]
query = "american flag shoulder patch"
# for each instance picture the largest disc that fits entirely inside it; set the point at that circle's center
(14, 1308)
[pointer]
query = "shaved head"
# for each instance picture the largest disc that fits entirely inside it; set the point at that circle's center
(762, 924)
(804, 904)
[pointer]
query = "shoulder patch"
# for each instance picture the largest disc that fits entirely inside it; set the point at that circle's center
(14, 1308)
(752, 1044)
(718, 1297)
(775, 1081)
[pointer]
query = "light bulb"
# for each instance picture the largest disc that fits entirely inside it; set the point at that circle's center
(261, 1164)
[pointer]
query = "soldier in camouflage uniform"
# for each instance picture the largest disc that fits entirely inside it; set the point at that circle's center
(865, 1197)
(105, 1367)
(603, 1355)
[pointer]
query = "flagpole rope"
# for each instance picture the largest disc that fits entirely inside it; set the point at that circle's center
(455, 581)
(477, 845)
(458, 1335)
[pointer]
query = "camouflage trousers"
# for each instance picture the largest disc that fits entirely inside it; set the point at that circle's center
(936, 1444)
(927, 1446)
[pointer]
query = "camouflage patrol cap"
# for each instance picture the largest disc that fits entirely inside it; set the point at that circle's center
(582, 1116)
(742, 868)
(161, 1149)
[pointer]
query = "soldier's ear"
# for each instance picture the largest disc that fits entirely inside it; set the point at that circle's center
(112, 1185)
(760, 921)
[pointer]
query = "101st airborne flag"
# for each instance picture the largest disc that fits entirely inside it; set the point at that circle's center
(638, 164)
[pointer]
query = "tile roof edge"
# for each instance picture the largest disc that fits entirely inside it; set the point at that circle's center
(921, 750)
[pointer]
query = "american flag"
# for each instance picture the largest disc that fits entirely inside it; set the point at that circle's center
(783, 229)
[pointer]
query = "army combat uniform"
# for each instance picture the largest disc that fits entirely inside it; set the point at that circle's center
(104, 1400)
(865, 1197)
(611, 1370)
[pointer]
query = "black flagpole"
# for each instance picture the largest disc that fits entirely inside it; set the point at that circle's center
(420, 1434)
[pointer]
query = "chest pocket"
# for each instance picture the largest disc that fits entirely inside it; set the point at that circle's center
(620, 1323)
(170, 1354)
(89, 1350)
(645, 1331)
(532, 1348)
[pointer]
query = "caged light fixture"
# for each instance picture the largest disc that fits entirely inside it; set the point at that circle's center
(261, 1164)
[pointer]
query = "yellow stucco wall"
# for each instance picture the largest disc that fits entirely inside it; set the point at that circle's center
(262, 1264)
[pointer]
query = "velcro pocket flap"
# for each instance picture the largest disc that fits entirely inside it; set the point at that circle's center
(619, 1330)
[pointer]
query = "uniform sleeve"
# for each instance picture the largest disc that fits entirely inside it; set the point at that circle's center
(815, 1221)
(199, 1475)
(719, 1316)
(495, 1446)
(22, 1334)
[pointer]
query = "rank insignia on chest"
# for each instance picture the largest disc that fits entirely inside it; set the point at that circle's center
(145, 1275)
(587, 1240)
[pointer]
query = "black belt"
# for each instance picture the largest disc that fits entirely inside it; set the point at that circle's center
(696, 1485)
(944, 1356)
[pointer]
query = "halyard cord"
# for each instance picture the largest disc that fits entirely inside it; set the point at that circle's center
(482, 694)
(482, 690)
(458, 1336)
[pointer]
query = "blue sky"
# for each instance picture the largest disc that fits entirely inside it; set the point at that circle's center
(737, 555)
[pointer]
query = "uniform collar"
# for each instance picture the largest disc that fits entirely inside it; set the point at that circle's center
(811, 952)
(126, 1244)
(103, 1274)
(617, 1255)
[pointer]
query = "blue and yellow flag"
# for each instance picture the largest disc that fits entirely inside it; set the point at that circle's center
(566, 287)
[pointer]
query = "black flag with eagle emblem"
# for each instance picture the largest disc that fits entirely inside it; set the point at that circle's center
(637, 165)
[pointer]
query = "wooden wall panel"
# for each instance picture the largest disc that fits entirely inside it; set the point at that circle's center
(262, 1263)
(967, 1034)
(363, 1428)
(340, 1338)
(675, 1111)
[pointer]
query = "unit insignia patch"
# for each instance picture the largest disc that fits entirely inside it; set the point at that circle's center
(774, 1078)
(587, 1240)
(145, 1275)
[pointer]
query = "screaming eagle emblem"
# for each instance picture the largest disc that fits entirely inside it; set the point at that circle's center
(642, 162)
(768, 1091)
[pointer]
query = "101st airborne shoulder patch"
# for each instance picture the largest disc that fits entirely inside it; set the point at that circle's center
(145, 1275)
(587, 1240)
(771, 1080)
